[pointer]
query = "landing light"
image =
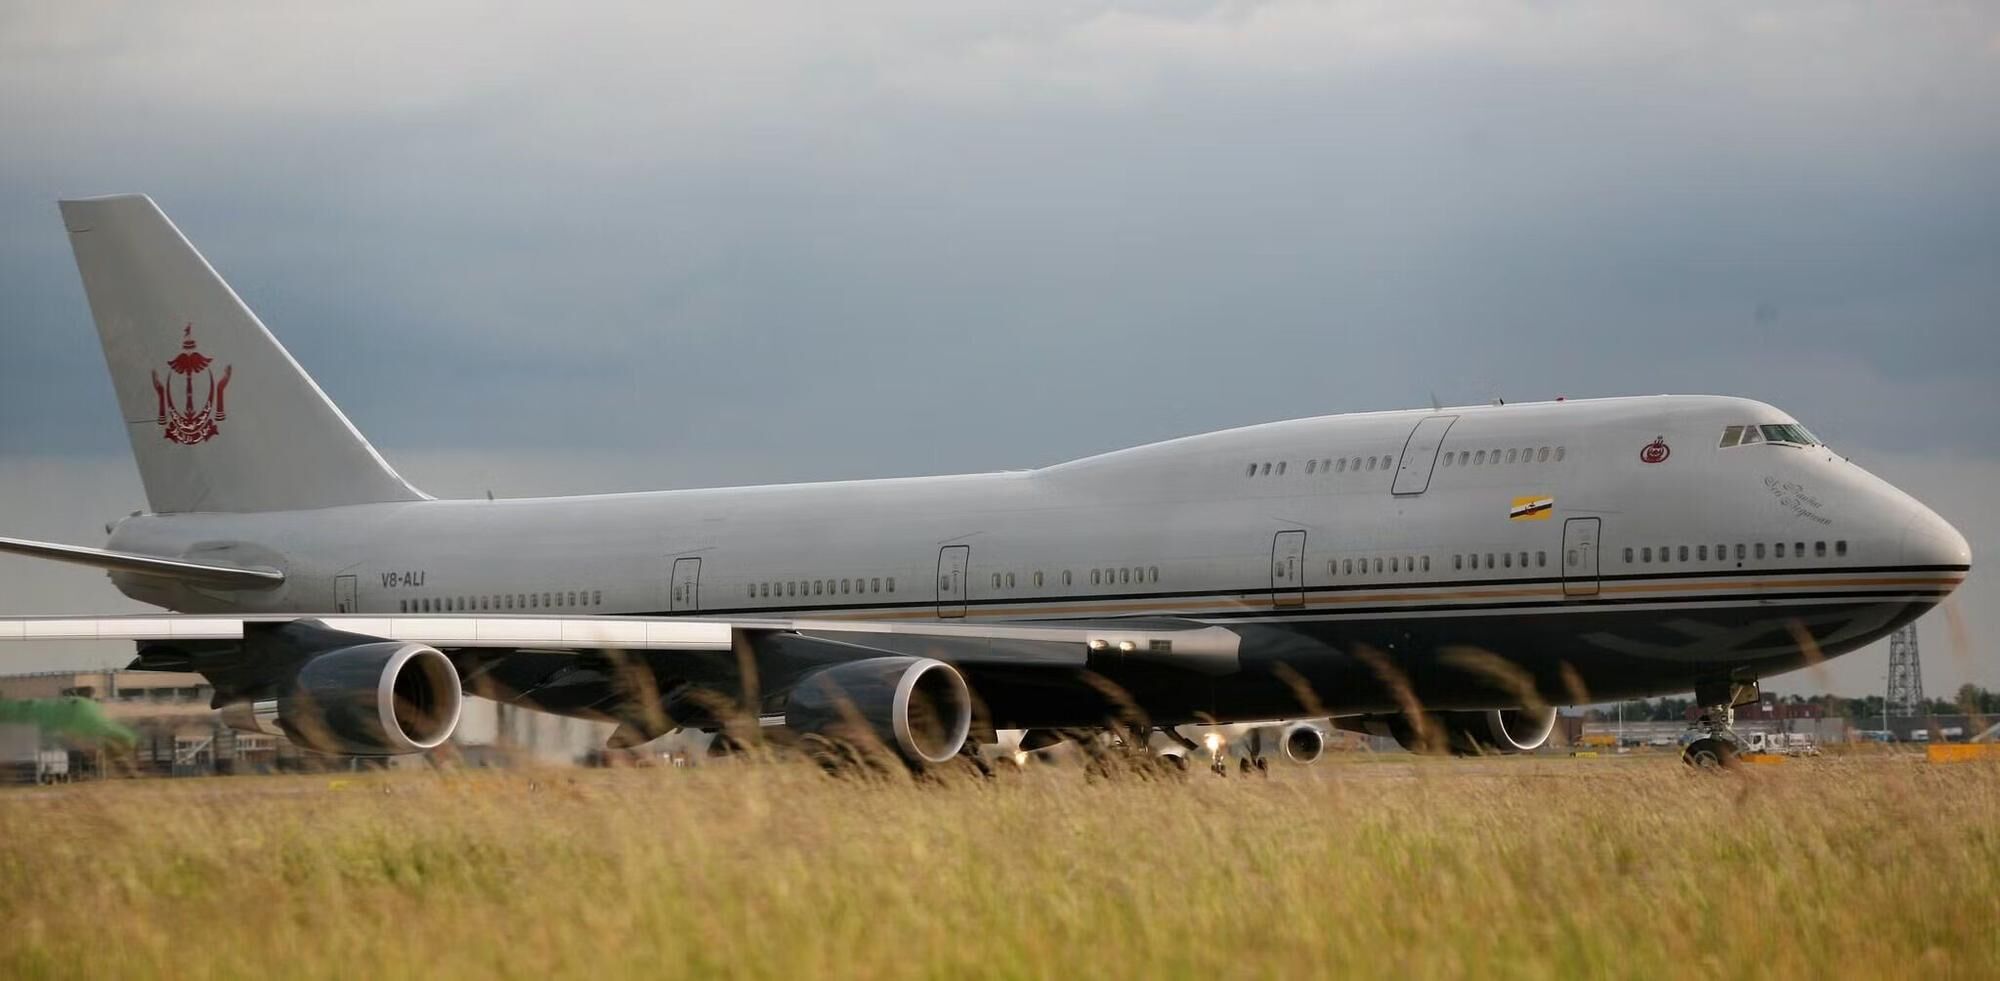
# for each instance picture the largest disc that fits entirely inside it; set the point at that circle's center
(1127, 647)
(1213, 742)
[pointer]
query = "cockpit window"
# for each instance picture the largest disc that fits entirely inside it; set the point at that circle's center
(1786, 433)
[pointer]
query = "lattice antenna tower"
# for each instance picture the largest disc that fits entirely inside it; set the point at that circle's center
(1906, 672)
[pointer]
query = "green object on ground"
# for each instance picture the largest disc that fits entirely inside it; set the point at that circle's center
(78, 719)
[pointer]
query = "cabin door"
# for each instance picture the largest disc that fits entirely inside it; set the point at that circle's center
(1580, 556)
(952, 560)
(686, 586)
(1420, 454)
(1288, 569)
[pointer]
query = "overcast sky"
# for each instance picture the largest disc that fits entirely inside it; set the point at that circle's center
(539, 249)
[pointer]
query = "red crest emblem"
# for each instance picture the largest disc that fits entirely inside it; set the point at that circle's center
(184, 422)
(1656, 451)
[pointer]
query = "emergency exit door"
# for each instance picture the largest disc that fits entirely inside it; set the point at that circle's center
(1580, 556)
(1420, 454)
(686, 586)
(1288, 569)
(952, 560)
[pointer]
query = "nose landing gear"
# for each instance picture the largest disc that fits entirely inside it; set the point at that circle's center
(1716, 745)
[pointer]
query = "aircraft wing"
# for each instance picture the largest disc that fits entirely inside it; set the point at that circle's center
(1198, 647)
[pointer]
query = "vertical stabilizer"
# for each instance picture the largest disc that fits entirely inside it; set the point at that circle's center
(221, 418)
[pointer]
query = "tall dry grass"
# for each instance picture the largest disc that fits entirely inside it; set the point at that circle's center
(1519, 868)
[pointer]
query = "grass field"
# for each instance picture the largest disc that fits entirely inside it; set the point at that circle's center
(1511, 868)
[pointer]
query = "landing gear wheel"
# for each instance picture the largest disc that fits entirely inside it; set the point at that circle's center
(1710, 753)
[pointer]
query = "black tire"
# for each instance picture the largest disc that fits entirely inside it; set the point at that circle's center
(1710, 753)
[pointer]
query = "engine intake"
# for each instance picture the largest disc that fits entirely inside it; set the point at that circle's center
(919, 706)
(379, 699)
(1302, 744)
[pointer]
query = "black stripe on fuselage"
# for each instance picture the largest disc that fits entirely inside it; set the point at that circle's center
(1264, 595)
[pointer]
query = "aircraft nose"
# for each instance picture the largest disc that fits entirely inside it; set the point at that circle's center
(1931, 541)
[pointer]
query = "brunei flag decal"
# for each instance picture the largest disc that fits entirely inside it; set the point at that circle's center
(1536, 508)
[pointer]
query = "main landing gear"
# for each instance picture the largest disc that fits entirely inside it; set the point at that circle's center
(1715, 744)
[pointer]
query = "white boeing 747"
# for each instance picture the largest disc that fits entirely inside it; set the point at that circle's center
(1455, 571)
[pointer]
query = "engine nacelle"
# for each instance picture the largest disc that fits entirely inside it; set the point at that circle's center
(919, 706)
(1503, 731)
(1302, 744)
(381, 699)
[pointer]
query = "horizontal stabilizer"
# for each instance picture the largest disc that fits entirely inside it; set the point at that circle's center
(200, 573)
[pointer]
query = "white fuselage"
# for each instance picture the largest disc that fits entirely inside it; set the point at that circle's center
(1266, 524)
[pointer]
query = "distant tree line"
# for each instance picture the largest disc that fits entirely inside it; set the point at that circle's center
(1971, 700)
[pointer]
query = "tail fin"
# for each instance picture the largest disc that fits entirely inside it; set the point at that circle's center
(221, 417)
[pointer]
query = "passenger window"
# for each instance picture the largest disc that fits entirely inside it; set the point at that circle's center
(1473, 560)
(597, 597)
(1507, 559)
(1684, 553)
(1510, 456)
(572, 598)
(1489, 560)
(1559, 454)
(1347, 567)
(1819, 550)
(1065, 577)
(1153, 573)
(1840, 547)
(1265, 470)
(1340, 465)
(1253, 471)
(1628, 555)
(1646, 554)
(1780, 547)
(1281, 468)
(1524, 560)
(402, 606)
(1798, 550)
(1542, 455)
(1124, 575)
(1731, 435)
(1394, 565)
(1463, 456)
(1572, 557)
(1427, 563)
(875, 585)
(1701, 552)
(1312, 466)
(1541, 560)
(1760, 550)
(1479, 457)
(1739, 552)
(1445, 460)
(1010, 580)
(1457, 561)
(1094, 574)
(1038, 580)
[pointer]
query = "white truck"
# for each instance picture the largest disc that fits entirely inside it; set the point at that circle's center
(1781, 744)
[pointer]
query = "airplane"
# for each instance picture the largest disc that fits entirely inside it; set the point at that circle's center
(1445, 576)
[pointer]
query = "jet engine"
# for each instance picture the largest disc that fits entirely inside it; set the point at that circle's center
(1503, 731)
(1302, 744)
(918, 706)
(1473, 733)
(378, 699)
